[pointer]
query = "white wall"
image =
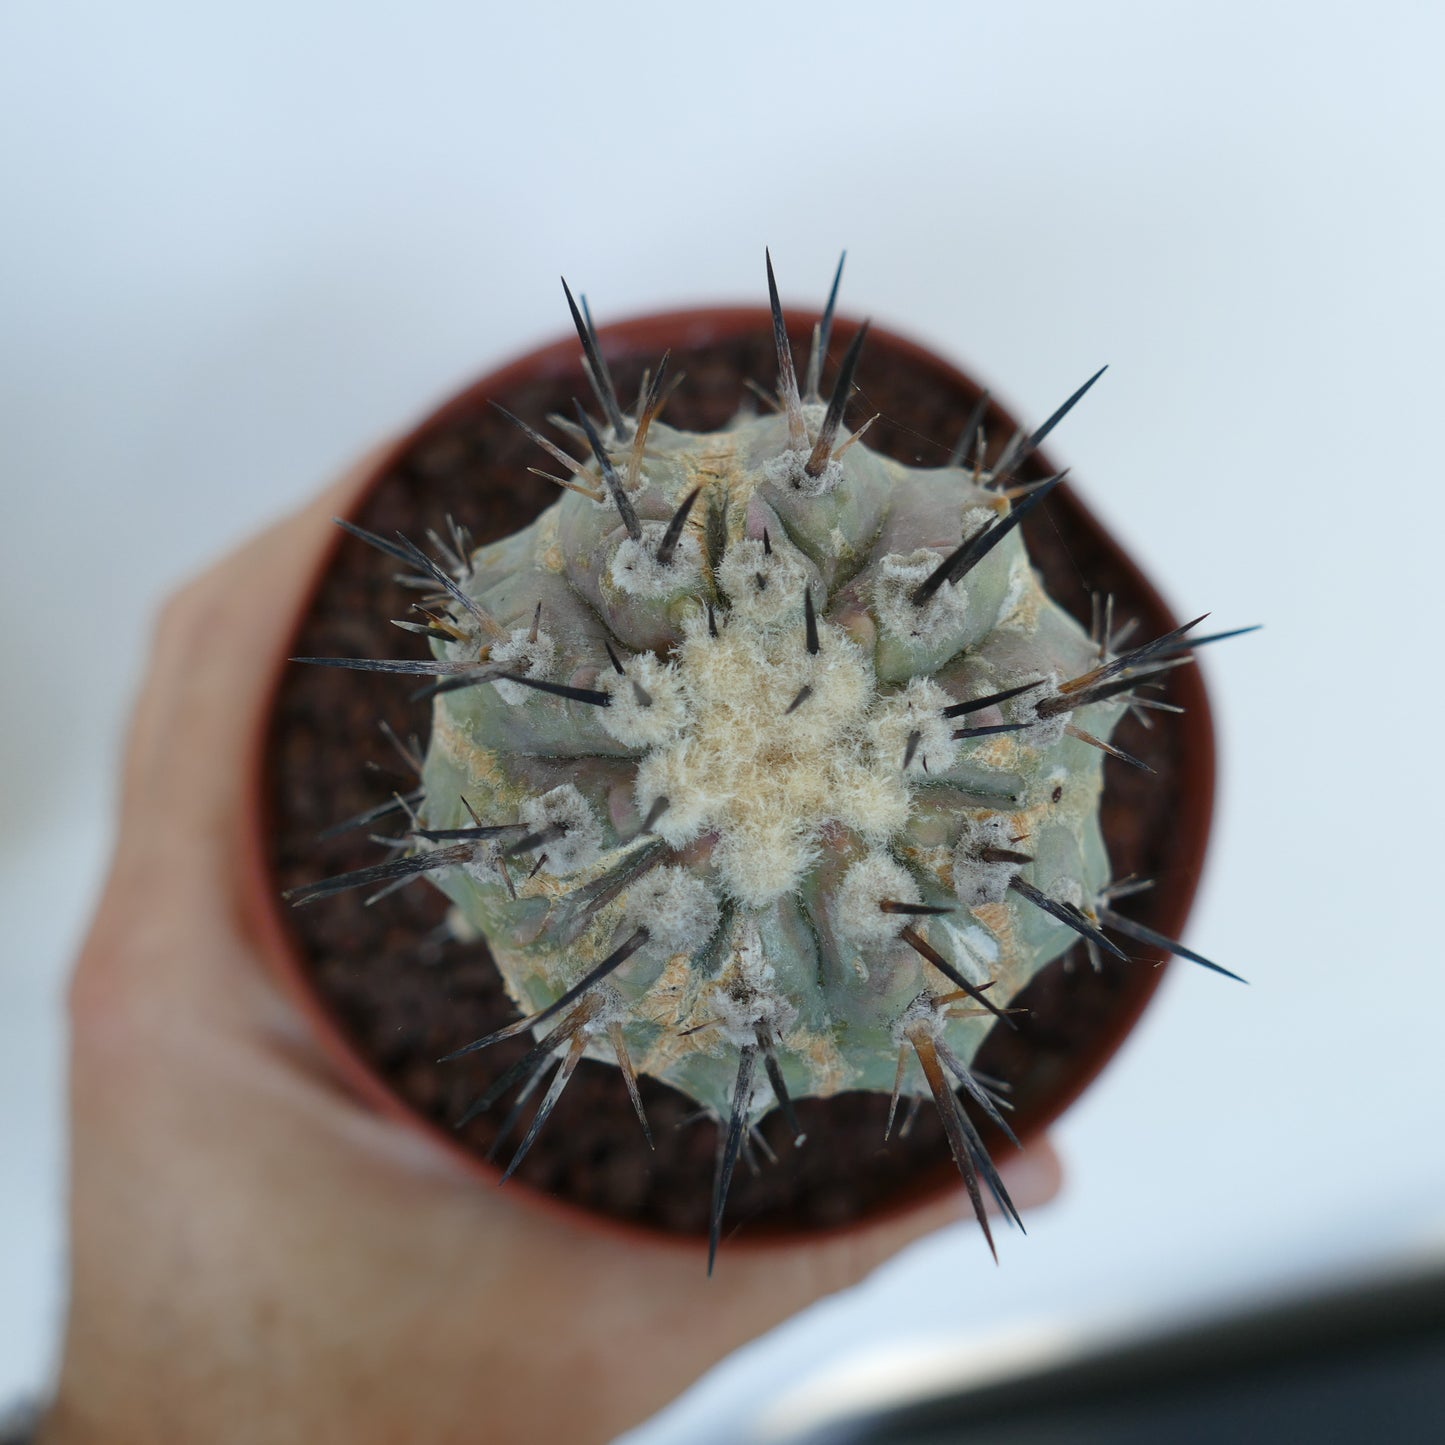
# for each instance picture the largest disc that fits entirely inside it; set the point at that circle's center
(243, 241)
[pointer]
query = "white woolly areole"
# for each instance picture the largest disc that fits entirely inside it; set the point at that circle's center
(527, 657)
(581, 840)
(653, 718)
(749, 996)
(636, 570)
(671, 773)
(918, 708)
(975, 881)
(678, 909)
(609, 1006)
(1020, 578)
(870, 799)
(764, 861)
(857, 912)
(1068, 890)
(790, 469)
(1045, 731)
(766, 780)
(484, 866)
(766, 589)
(974, 519)
(842, 690)
(897, 575)
(920, 1017)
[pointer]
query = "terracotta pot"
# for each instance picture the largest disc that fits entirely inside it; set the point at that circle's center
(386, 999)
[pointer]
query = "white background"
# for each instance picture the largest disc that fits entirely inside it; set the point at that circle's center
(242, 242)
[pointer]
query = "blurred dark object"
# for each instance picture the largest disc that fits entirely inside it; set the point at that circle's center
(1356, 1364)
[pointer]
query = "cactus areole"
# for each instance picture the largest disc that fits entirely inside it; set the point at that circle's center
(762, 761)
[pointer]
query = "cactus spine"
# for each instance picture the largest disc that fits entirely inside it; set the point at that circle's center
(764, 763)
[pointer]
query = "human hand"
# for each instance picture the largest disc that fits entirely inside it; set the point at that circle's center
(256, 1256)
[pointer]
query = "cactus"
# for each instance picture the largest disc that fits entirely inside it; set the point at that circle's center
(763, 762)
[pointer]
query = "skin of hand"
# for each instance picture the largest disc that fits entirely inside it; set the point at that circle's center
(255, 1256)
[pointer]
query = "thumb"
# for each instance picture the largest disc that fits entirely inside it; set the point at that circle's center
(172, 884)
(216, 648)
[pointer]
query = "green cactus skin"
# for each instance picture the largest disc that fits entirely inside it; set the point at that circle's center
(715, 770)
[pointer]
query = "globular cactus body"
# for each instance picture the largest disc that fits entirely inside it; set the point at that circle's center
(787, 824)
(764, 763)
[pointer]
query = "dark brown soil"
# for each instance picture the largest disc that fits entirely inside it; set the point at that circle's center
(406, 996)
